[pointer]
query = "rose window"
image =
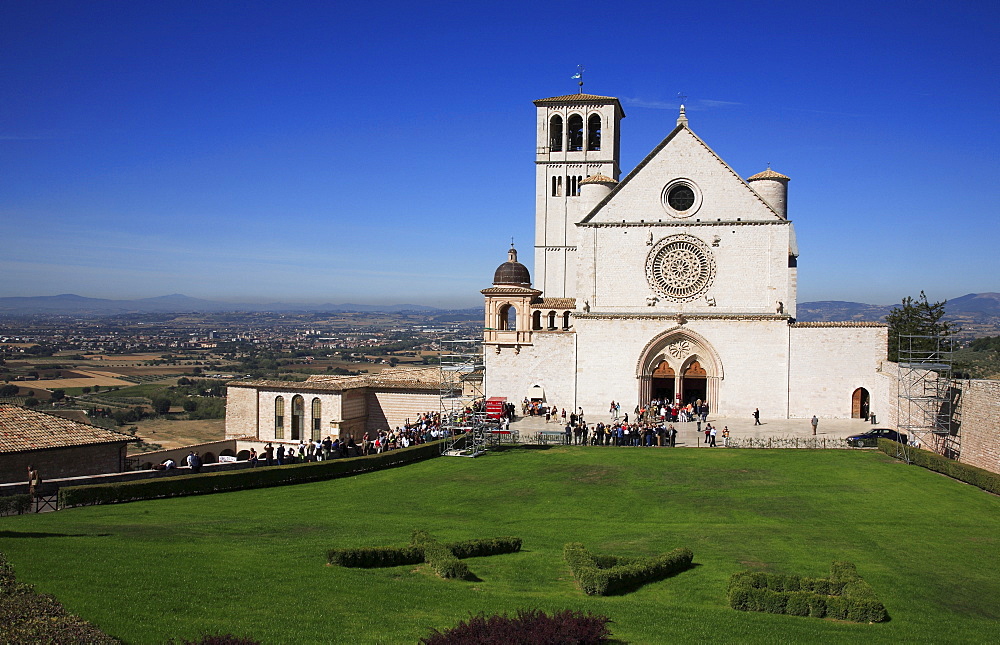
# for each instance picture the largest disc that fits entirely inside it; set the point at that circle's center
(680, 268)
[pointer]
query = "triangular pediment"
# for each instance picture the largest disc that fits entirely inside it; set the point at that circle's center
(682, 158)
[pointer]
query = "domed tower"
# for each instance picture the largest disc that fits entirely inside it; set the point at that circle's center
(773, 189)
(508, 304)
(512, 272)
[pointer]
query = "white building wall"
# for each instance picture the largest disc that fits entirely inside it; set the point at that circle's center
(751, 268)
(829, 363)
(753, 357)
(548, 362)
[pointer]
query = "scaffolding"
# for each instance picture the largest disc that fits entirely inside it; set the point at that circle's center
(926, 397)
(462, 402)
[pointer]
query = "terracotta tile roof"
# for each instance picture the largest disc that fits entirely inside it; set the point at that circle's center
(598, 179)
(845, 323)
(423, 378)
(554, 303)
(767, 174)
(576, 97)
(22, 429)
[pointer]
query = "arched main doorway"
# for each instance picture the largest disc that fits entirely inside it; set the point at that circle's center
(860, 402)
(679, 365)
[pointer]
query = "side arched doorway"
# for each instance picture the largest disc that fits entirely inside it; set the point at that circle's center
(860, 402)
(694, 383)
(662, 386)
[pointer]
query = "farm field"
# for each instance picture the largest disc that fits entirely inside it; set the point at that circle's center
(170, 433)
(253, 562)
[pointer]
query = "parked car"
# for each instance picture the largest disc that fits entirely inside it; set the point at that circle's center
(871, 438)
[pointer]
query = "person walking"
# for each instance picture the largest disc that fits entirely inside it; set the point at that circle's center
(814, 422)
(711, 443)
(34, 481)
(756, 417)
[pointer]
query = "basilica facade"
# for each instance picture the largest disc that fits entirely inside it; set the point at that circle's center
(676, 282)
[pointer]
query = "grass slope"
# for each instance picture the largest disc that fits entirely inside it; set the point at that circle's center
(253, 562)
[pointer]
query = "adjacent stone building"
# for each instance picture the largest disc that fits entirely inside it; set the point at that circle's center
(678, 282)
(336, 406)
(56, 446)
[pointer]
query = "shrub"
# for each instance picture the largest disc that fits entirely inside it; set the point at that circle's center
(443, 558)
(978, 477)
(29, 617)
(529, 627)
(264, 477)
(15, 504)
(844, 595)
(605, 574)
(221, 639)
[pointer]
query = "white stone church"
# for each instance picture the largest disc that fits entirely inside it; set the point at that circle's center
(676, 282)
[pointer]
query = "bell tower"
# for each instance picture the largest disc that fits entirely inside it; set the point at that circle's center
(577, 136)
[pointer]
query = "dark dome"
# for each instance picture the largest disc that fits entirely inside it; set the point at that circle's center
(512, 271)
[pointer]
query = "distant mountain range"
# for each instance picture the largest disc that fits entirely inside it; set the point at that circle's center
(972, 308)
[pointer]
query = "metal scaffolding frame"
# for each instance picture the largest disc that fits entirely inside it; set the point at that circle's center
(462, 402)
(926, 397)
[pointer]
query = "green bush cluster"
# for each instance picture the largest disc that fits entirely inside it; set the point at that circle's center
(443, 557)
(368, 557)
(30, 617)
(978, 477)
(230, 480)
(603, 575)
(440, 557)
(15, 504)
(844, 595)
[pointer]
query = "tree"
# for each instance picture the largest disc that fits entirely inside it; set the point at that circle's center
(161, 405)
(917, 318)
(58, 395)
(190, 405)
(8, 390)
(31, 402)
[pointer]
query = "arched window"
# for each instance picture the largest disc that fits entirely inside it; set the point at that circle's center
(507, 318)
(557, 186)
(536, 320)
(594, 132)
(565, 320)
(279, 417)
(298, 416)
(317, 415)
(552, 320)
(575, 140)
(555, 133)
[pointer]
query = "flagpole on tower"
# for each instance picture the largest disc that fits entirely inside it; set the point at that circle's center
(579, 76)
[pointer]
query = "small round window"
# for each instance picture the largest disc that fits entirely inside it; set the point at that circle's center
(680, 197)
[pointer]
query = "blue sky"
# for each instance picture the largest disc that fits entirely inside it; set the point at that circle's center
(383, 151)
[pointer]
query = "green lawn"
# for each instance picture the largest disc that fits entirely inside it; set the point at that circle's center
(253, 562)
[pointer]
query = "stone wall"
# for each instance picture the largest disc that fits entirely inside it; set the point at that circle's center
(980, 424)
(64, 462)
(242, 417)
(976, 422)
(391, 408)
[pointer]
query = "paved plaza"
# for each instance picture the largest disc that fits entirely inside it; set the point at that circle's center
(739, 427)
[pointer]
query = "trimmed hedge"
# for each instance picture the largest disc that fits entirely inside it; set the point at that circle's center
(978, 477)
(440, 557)
(602, 575)
(844, 595)
(530, 626)
(443, 558)
(30, 617)
(231, 480)
(15, 504)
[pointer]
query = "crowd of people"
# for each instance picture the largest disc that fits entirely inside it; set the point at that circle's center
(652, 426)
